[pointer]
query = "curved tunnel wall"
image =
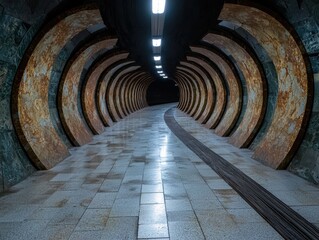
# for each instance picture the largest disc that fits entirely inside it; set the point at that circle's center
(250, 80)
(258, 31)
(39, 131)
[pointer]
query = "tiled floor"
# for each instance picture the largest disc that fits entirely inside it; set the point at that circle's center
(138, 181)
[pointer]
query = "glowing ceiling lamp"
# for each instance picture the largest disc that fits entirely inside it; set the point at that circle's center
(159, 72)
(158, 66)
(157, 42)
(157, 58)
(158, 6)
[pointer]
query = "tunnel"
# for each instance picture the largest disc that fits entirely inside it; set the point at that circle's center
(193, 120)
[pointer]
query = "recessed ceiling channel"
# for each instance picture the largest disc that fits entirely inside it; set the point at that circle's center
(158, 33)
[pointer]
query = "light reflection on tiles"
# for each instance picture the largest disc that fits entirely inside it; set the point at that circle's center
(137, 180)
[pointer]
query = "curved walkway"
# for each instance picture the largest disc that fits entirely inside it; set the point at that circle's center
(138, 181)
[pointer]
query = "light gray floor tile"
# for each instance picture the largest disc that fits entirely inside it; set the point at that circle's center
(246, 215)
(153, 239)
(103, 200)
(125, 208)
(152, 198)
(85, 235)
(185, 230)
(45, 213)
(230, 199)
(178, 205)
(152, 188)
(109, 186)
(153, 231)
(218, 184)
(311, 213)
(23, 231)
(67, 215)
(17, 213)
(152, 214)
(93, 219)
(181, 216)
(56, 232)
(206, 204)
(120, 228)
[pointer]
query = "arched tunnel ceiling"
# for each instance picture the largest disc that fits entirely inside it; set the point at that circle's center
(222, 82)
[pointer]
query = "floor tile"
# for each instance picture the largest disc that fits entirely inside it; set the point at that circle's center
(152, 198)
(152, 188)
(120, 228)
(110, 185)
(103, 200)
(22, 231)
(67, 215)
(181, 216)
(93, 219)
(153, 231)
(138, 181)
(125, 208)
(152, 214)
(85, 235)
(178, 205)
(185, 230)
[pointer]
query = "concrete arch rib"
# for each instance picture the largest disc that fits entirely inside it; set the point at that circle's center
(191, 92)
(140, 94)
(195, 99)
(208, 94)
(182, 96)
(68, 96)
(217, 99)
(134, 76)
(127, 98)
(202, 87)
(294, 97)
(255, 84)
(211, 90)
(114, 63)
(32, 120)
(234, 98)
(136, 90)
(119, 89)
(183, 92)
(113, 105)
(94, 110)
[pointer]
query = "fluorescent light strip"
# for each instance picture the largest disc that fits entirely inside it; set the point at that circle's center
(157, 58)
(158, 67)
(159, 72)
(158, 6)
(157, 42)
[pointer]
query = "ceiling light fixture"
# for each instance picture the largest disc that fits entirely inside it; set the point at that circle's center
(157, 58)
(159, 72)
(157, 42)
(158, 66)
(158, 6)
